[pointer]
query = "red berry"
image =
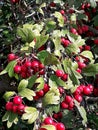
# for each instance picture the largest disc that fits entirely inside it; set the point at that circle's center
(40, 93)
(14, 1)
(17, 100)
(64, 77)
(21, 108)
(61, 90)
(73, 30)
(78, 98)
(81, 65)
(96, 91)
(15, 109)
(91, 87)
(96, 41)
(68, 99)
(46, 88)
(52, 4)
(65, 42)
(87, 90)
(17, 69)
(35, 64)
(48, 120)
(71, 105)
(59, 73)
(64, 105)
(60, 126)
(28, 63)
(11, 57)
(9, 106)
(62, 12)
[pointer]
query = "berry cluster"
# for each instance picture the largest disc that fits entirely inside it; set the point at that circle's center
(67, 103)
(42, 92)
(16, 106)
(26, 67)
(61, 74)
(50, 121)
(82, 90)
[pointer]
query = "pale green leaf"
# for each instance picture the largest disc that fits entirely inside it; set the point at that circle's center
(22, 85)
(7, 95)
(49, 127)
(40, 82)
(6, 116)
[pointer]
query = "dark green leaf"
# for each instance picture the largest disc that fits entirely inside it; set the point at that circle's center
(90, 70)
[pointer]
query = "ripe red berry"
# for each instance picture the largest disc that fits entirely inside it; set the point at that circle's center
(78, 98)
(74, 31)
(87, 90)
(17, 100)
(61, 90)
(64, 77)
(28, 63)
(48, 120)
(95, 91)
(91, 87)
(62, 12)
(96, 41)
(52, 4)
(46, 88)
(17, 69)
(60, 126)
(15, 108)
(35, 65)
(11, 57)
(64, 105)
(40, 93)
(59, 73)
(81, 65)
(65, 42)
(21, 108)
(14, 1)
(9, 106)
(68, 99)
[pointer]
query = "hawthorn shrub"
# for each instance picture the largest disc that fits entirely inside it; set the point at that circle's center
(48, 65)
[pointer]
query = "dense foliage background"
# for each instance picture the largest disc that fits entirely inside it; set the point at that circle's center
(49, 64)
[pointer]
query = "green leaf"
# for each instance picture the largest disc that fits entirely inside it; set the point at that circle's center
(81, 16)
(51, 59)
(7, 95)
(31, 114)
(31, 80)
(60, 18)
(87, 54)
(51, 97)
(27, 93)
(54, 81)
(6, 116)
(82, 112)
(95, 19)
(9, 68)
(22, 85)
(41, 40)
(49, 127)
(73, 17)
(40, 82)
(42, 55)
(90, 70)
(25, 33)
(50, 25)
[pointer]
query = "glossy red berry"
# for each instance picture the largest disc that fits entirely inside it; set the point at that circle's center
(9, 106)
(11, 57)
(64, 77)
(40, 93)
(35, 64)
(87, 90)
(28, 63)
(15, 108)
(64, 105)
(81, 65)
(62, 12)
(21, 108)
(65, 42)
(46, 88)
(14, 1)
(61, 90)
(59, 73)
(17, 69)
(48, 120)
(78, 98)
(60, 126)
(17, 100)
(68, 99)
